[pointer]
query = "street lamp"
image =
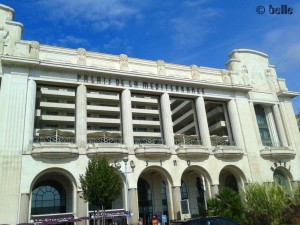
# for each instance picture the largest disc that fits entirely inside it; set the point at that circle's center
(132, 165)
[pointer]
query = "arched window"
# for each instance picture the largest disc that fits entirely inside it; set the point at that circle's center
(280, 178)
(183, 190)
(48, 197)
(231, 182)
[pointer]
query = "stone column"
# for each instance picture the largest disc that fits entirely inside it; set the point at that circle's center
(176, 194)
(235, 124)
(134, 208)
(82, 208)
(127, 130)
(202, 121)
(255, 123)
(30, 113)
(214, 190)
(272, 126)
(285, 118)
(166, 119)
(81, 117)
(24, 208)
(280, 127)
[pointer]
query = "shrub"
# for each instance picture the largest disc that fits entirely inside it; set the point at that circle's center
(227, 203)
(266, 204)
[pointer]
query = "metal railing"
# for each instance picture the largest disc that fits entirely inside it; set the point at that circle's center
(271, 144)
(105, 140)
(53, 139)
(222, 142)
(148, 141)
(187, 142)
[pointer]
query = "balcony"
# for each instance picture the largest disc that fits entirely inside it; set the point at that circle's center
(225, 148)
(275, 150)
(190, 147)
(54, 144)
(151, 148)
(106, 143)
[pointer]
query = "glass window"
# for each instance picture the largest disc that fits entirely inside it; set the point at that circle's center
(264, 117)
(184, 191)
(47, 198)
(218, 123)
(280, 178)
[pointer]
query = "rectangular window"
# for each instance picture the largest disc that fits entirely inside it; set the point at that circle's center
(266, 125)
(103, 116)
(218, 123)
(146, 119)
(184, 120)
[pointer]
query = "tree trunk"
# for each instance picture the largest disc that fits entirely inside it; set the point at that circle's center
(98, 221)
(103, 216)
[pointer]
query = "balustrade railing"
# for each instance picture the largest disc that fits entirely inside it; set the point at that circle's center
(187, 142)
(53, 139)
(271, 144)
(222, 142)
(148, 141)
(105, 140)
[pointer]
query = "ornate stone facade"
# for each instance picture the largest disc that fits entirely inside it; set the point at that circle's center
(177, 131)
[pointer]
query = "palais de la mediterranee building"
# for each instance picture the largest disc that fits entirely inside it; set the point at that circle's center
(182, 133)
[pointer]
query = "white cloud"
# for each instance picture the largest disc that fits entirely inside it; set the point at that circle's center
(193, 24)
(118, 44)
(99, 14)
(70, 40)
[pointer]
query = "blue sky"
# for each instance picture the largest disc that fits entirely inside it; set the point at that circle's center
(201, 32)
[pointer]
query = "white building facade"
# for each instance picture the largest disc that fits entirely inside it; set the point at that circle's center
(187, 131)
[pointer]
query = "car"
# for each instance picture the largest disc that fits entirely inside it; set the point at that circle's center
(210, 220)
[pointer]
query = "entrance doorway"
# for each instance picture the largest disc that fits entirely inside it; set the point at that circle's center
(145, 201)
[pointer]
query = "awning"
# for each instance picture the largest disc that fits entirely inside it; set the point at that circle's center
(52, 218)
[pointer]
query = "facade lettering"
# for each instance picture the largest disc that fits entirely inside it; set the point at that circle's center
(145, 85)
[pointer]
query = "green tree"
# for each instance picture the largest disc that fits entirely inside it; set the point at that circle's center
(228, 203)
(266, 204)
(100, 184)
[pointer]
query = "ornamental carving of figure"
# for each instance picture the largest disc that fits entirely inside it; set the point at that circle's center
(161, 69)
(245, 75)
(270, 79)
(81, 56)
(3, 38)
(34, 50)
(225, 76)
(124, 62)
(195, 72)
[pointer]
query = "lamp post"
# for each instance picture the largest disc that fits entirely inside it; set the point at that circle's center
(132, 165)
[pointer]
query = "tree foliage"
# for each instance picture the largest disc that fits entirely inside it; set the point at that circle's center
(266, 204)
(100, 184)
(227, 203)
